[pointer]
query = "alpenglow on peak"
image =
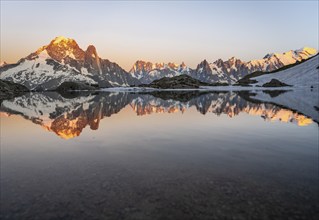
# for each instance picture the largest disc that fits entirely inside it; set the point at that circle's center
(60, 39)
(62, 60)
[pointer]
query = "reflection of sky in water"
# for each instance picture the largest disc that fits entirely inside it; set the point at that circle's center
(117, 121)
(146, 162)
(127, 128)
(68, 117)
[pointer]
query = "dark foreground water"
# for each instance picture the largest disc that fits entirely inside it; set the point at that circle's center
(186, 155)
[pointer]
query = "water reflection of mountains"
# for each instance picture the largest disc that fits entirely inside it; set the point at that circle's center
(67, 116)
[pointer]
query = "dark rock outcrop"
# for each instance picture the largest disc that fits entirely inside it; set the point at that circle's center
(275, 83)
(177, 82)
(11, 89)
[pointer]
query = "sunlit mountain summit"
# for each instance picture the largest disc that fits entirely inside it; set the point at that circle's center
(62, 60)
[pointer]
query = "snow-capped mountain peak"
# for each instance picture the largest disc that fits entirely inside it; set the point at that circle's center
(147, 72)
(183, 68)
(62, 47)
(203, 66)
(61, 39)
(273, 61)
(141, 67)
(210, 72)
(172, 65)
(63, 60)
(232, 59)
(307, 50)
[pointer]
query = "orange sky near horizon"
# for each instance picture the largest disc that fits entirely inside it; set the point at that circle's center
(125, 32)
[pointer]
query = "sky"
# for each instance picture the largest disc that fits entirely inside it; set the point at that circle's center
(161, 31)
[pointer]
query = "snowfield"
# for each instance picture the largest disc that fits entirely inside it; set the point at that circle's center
(36, 72)
(305, 74)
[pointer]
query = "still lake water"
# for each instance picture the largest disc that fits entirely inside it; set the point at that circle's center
(159, 155)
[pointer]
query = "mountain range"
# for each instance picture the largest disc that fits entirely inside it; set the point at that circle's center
(229, 71)
(147, 72)
(62, 60)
